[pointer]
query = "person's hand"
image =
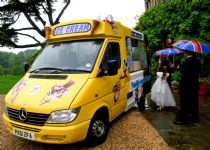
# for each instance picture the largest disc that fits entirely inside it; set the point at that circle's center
(170, 64)
(177, 67)
(159, 65)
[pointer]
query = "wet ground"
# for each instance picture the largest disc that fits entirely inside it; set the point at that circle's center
(190, 136)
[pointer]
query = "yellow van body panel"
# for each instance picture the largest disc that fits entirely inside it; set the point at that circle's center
(32, 102)
(53, 135)
(103, 30)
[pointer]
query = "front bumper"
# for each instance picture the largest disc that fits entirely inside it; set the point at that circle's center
(51, 134)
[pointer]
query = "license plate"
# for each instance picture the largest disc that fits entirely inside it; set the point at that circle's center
(24, 134)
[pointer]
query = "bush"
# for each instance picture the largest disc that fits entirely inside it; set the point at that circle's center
(9, 71)
(18, 70)
(167, 21)
(176, 76)
(1, 71)
(5, 71)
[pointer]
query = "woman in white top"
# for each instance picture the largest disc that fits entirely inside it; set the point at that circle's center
(161, 92)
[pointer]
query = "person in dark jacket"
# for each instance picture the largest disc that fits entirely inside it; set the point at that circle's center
(189, 88)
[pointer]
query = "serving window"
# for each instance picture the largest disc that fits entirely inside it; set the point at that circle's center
(136, 54)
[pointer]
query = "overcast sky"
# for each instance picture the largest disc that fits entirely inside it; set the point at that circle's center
(123, 11)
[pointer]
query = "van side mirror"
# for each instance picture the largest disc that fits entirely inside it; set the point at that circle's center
(26, 66)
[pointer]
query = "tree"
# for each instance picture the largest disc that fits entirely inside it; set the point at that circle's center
(10, 13)
(11, 62)
(178, 20)
(17, 70)
(9, 59)
(5, 71)
(1, 71)
(9, 71)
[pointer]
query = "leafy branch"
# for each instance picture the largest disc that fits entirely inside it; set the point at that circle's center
(30, 9)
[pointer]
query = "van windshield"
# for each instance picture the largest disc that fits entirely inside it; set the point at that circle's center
(67, 57)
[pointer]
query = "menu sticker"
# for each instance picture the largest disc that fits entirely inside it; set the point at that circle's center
(34, 89)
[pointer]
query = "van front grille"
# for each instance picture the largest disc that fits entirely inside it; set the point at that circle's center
(25, 128)
(32, 118)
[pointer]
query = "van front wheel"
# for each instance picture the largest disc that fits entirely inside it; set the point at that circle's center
(98, 131)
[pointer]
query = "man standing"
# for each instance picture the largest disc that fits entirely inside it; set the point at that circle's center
(189, 88)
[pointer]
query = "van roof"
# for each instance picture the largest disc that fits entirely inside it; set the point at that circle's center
(80, 29)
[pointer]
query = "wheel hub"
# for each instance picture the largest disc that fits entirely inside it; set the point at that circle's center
(98, 128)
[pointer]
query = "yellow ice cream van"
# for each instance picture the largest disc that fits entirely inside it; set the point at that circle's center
(85, 77)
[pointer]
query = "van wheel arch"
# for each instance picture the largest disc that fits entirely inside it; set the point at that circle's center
(99, 127)
(103, 111)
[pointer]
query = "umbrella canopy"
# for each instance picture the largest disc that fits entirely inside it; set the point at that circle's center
(192, 45)
(168, 51)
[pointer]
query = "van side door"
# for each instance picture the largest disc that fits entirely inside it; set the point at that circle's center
(113, 87)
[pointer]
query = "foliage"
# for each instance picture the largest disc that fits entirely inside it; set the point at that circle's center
(9, 71)
(154, 64)
(35, 55)
(9, 59)
(1, 71)
(178, 20)
(175, 82)
(204, 80)
(205, 64)
(8, 82)
(5, 71)
(32, 10)
(176, 76)
(18, 70)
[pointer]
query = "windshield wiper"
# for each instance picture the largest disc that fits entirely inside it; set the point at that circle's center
(75, 70)
(59, 71)
(45, 69)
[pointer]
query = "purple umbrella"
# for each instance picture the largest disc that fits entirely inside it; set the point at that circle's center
(192, 45)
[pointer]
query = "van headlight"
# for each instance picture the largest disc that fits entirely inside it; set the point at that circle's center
(5, 108)
(63, 116)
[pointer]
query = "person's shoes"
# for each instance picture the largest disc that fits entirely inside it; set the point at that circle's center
(194, 120)
(179, 122)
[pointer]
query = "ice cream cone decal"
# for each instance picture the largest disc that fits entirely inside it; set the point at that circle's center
(16, 90)
(116, 92)
(57, 91)
(96, 22)
(47, 32)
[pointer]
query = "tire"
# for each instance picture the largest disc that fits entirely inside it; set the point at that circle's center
(98, 130)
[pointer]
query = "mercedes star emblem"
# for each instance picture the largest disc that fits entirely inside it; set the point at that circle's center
(22, 114)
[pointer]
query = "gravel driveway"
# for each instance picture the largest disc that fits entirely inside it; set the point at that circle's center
(129, 131)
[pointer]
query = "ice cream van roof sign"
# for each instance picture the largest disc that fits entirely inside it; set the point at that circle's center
(72, 28)
(134, 34)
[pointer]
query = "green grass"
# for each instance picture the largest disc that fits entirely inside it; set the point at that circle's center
(7, 82)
